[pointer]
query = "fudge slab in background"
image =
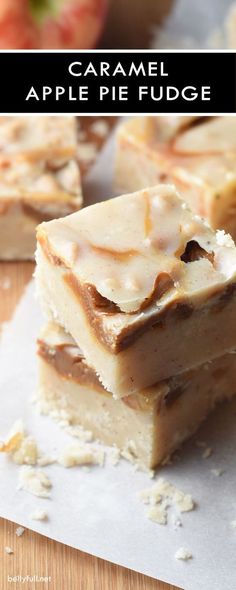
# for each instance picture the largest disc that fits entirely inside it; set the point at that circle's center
(143, 285)
(52, 138)
(39, 178)
(197, 154)
(146, 426)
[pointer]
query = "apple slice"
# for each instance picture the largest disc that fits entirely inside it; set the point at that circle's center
(51, 24)
(214, 136)
(17, 29)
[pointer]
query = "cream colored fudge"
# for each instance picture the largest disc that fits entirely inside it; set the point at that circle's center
(197, 154)
(39, 178)
(143, 285)
(35, 137)
(146, 426)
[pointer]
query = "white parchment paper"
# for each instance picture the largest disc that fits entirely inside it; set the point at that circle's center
(98, 511)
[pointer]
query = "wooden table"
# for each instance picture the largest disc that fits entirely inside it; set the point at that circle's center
(34, 554)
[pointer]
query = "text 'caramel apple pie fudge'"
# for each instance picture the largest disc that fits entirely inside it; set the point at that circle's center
(39, 178)
(144, 286)
(147, 426)
(197, 154)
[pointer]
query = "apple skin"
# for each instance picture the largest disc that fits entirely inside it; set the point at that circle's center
(77, 25)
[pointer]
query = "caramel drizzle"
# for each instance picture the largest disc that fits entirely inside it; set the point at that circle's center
(44, 243)
(147, 216)
(114, 253)
(36, 153)
(70, 367)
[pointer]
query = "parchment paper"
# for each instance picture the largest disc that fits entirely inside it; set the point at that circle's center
(98, 511)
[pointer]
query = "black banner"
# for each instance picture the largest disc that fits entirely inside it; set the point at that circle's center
(118, 82)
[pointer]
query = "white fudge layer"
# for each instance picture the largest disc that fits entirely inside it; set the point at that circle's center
(147, 426)
(144, 287)
(197, 154)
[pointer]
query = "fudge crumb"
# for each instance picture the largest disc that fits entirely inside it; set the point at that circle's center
(183, 501)
(113, 456)
(79, 432)
(165, 494)
(79, 454)
(34, 481)
(169, 491)
(207, 453)
(150, 496)
(157, 514)
(21, 448)
(183, 554)
(9, 550)
(100, 127)
(39, 515)
(62, 417)
(20, 531)
(13, 439)
(45, 460)
(217, 472)
(27, 453)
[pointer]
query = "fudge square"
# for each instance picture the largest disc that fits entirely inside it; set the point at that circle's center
(197, 154)
(39, 178)
(49, 137)
(143, 285)
(147, 426)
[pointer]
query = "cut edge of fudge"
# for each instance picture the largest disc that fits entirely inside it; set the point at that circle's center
(133, 350)
(147, 426)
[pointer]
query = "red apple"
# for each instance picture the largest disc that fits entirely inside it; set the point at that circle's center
(51, 24)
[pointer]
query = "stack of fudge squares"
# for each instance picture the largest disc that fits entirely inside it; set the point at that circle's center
(140, 296)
